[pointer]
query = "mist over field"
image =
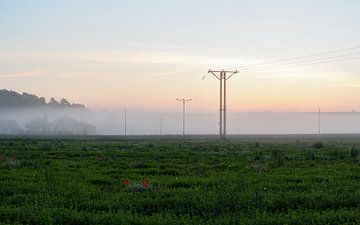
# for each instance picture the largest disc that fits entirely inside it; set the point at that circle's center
(112, 122)
(139, 123)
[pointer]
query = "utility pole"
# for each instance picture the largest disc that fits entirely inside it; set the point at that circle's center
(319, 122)
(222, 76)
(184, 101)
(125, 122)
(161, 125)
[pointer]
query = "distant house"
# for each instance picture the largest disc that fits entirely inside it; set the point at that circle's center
(38, 126)
(10, 127)
(68, 126)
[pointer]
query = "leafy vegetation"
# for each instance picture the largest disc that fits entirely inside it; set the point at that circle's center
(51, 181)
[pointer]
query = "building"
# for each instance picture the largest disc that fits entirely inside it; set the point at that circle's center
(38, 126)
(10, 127)
(68, 126)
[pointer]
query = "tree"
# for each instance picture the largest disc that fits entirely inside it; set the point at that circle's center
(63, 101)
(53, 101)
(42, 100)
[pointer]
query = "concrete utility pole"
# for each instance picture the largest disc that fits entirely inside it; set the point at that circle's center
(184, 101)
(125, 122)
(222, 76)
(161, 123)
(319, 121)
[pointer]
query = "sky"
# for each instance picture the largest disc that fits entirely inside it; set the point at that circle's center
(142, 55)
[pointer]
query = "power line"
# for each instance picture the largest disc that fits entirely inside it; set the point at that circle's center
(311, 59)
(305, 64)
(191, 89)
(301, 57)
(305, 61)
(203, 89)
(200, 86)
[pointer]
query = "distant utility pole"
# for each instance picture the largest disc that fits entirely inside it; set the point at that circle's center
(161, 125)
(222, 76)
(125, 122)
(319, 122)
(184, 101)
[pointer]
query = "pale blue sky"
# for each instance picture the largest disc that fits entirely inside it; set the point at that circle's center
(149, 52)
(207, 24)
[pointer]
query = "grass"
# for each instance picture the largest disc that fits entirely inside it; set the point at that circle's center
(241, 181)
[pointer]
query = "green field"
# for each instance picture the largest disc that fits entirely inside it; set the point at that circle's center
(245, 180)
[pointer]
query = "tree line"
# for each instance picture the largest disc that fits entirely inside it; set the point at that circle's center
(13, 99)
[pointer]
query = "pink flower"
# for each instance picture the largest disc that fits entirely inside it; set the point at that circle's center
(145, 183)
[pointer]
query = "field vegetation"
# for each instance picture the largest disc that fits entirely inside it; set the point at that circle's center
(171, 181)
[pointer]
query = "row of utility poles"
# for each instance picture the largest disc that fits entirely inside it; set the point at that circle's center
(183, 101)
(222, 76)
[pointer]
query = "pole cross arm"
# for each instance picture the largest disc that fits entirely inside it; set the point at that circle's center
(213, 73)
(184, 100)
(223, 71)
(233, 72)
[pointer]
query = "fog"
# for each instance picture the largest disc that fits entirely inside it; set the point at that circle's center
(110, 122)
(237, 123)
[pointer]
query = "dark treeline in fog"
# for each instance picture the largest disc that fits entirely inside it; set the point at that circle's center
(32, 115)
(12, 99)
